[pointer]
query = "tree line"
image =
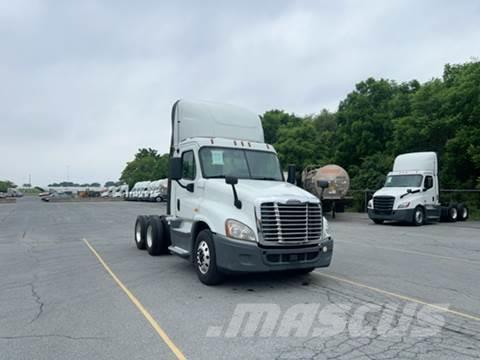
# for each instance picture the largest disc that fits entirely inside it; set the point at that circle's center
(378, 120)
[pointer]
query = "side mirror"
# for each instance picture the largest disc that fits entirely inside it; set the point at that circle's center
(231, 180)
(176, 168)
(323, 184)
(291, 173)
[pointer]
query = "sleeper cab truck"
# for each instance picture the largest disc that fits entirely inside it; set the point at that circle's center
(411, 193)
(228, 207)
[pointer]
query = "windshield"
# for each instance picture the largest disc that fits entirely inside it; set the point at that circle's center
(243, 164)
(403, 181)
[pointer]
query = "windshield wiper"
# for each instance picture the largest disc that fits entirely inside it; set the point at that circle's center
(265, 178)
(409, 192)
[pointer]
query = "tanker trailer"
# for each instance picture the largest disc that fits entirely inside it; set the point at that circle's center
(334, 195)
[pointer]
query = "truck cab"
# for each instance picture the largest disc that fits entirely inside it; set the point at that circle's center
(411, 191)
(229, 208)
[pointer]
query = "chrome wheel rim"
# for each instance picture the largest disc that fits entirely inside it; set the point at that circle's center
(138, 233)
(465, 213)
(419, 216)
(203, 257)
(149, 236)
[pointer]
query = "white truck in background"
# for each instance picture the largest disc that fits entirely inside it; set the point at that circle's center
(120, 191)
(158, 190)
(412, 193)
(229, 208)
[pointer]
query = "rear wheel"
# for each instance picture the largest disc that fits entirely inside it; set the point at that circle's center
(158, 199)
(418, 216)
(452, 213)
(205, 259)
(462, 211)
(157, 237)
(140, 229)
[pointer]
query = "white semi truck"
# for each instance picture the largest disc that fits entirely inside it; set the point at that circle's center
(411, 193)
(228, 208)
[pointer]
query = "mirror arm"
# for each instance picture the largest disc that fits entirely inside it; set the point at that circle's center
(184, 186)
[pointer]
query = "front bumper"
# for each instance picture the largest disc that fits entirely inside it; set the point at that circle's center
(246, 256)
(403, 215)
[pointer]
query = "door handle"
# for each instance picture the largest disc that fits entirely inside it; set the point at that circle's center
(178, 204)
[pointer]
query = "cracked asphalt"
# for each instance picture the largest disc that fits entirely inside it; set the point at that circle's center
(58, 302)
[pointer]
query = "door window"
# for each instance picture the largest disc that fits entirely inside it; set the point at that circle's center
(188, 165)
(428, 182)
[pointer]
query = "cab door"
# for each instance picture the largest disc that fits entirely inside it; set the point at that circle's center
(186, 200)
(430, 197)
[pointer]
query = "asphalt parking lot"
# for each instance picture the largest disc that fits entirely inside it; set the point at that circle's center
(401, 291)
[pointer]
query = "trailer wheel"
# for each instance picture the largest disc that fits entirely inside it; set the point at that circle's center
(452, 213)
(205, 259)
(157, 237)
(378, 221)
(463, 212)
(418, 216)
(140, 229)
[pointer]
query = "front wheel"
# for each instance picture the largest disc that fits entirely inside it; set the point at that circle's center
(418, 216)
(378, 221)
(205, 259)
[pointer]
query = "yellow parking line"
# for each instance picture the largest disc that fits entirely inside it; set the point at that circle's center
(139, 305)
(443, 257)
(399, 296)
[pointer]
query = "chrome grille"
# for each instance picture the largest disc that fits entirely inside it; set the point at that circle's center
(289, 223)
(383, 204)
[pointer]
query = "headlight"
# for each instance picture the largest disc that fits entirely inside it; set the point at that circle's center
(404, 205)
(325, 230)
(237, 230)
(370, 204)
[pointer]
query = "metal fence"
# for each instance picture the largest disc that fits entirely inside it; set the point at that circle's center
(471, 197)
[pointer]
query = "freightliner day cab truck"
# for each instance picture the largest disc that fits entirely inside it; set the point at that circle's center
(411, 193)
(229, 208)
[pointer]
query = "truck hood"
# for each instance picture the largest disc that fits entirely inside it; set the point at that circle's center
(394, 191)
(261, 190)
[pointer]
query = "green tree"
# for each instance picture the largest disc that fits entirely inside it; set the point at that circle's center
(147, 165)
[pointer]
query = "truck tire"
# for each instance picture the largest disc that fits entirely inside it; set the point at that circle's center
(378, 221)
(418, 216)
(139, 233)
(463, 212)
(205, 259)
(452, 213)
(157, 239)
